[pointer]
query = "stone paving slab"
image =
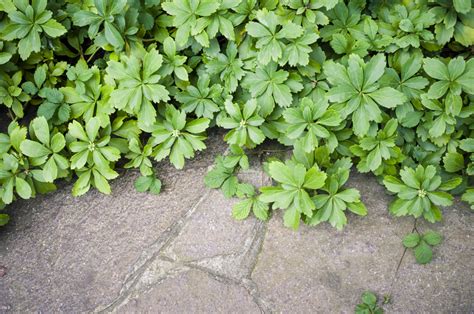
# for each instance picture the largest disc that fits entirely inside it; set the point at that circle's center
(192, 291)
(446, 285)
(327, 270)
(211, 231)
(181, 252)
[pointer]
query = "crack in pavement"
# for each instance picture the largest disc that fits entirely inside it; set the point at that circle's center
(257, 247)
(150, 255)
(248, 284)
(248, 257)
(248, 261)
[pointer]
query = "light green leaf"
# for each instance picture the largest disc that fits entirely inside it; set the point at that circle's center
(411, 240)
(423, 253)
(23, 188)
(432, 238)
(34, 149)
(53, 28)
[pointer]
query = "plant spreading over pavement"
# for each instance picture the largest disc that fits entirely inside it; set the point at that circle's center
(89, 86)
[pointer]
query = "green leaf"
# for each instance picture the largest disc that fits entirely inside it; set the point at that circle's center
(411, 240)
(462, 6)
(388, 97)
(50, 170)
(41, 128)
(441, 198)
(197, 125)
(357, 208)
(23, 188)
(432, 238)
(229, 187)
(142, 184)
(453, 162)
(57, 142)
(260, 209)
(369, 298)
(77, 131)
(436, 69)
(450, 184)
(216, 177)
(281, 173)
(241, 210)
(393, 184)
(148, 183)
(53, 28)
(314, 179)
(100, 182)
(4, 219)
(34, 149)
(155, 187)
(423, 253)
(291, 218)
(113, 35)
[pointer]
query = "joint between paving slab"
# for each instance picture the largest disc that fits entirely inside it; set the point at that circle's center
(248, 284)
(252, 290)
(257, 247)
(156, 248)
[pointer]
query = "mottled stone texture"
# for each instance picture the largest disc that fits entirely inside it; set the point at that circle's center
(182, 252)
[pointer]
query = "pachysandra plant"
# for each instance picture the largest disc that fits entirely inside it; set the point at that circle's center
(243, 122)
(374, 149)
(358, 93)
(311, 122)
(177, 137)
(250, 202)
(369, 304)
(89, 87)
(420, 192)
(138, 85)
(11, 94)
(331, 204)
(92, 156)
(223, 177)
(228, 66)
(203, 100)
(106, 16)
(271, 86)
(28, 22)
(293, 192)
(46, 150)
(421, 245)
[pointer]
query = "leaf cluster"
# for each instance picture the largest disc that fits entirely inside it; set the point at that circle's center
(421, 245)
(369, 304)
(90, 87)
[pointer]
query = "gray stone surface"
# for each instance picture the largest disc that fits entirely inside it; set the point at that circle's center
(446, 285)
(322, 269)
(182, 252)
(192, 291)
(211, 231)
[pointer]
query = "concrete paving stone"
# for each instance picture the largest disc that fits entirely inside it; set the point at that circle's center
(236, 266)
(446, 285)
(211, 231)
(73, 254)
(318, 269)
(192, 291)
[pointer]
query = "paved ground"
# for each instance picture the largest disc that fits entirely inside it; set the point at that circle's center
(182, 252)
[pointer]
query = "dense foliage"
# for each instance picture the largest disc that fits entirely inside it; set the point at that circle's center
(385, 86)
